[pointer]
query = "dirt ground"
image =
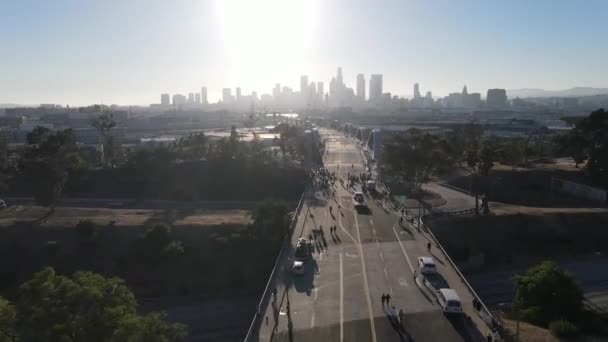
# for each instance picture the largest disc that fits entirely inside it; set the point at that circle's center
(528, 332)
(69, 217)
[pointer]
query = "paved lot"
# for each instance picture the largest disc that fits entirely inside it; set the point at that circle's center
(338, 299)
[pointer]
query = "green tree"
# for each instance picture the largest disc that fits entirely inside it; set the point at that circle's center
(270, 220)
(49, 165)
(38, 135)
(547, 293)
(414, 157)
(194, 146)
(595, 130)
(513, 151)
(575, 145)
(8, 320)
(84, 307)
(104, 123)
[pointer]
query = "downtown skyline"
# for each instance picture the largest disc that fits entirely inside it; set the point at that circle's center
(79, 53)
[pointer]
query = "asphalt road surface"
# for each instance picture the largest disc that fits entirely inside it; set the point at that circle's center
(339, 296)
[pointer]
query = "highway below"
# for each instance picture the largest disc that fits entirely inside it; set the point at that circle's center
(370, 254)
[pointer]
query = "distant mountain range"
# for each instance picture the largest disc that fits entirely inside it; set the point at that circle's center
(572, 92)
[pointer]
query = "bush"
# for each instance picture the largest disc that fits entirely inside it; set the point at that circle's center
(563, 328)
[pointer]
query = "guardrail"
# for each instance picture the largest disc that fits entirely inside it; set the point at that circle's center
(489, 319)
(266, 294)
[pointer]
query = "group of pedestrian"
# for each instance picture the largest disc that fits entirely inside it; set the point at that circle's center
(392, 311)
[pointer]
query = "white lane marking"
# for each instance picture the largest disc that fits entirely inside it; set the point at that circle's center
(374, 230)
(403, 250)
(391, 290)
(341, 300)
(315, 293)
(312, 320)
(365, 282)
(403, 282)
(378, 243)
(385, 272)
(382, 256)
(372, 222)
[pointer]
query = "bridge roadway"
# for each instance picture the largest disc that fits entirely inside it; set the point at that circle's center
(339, 297)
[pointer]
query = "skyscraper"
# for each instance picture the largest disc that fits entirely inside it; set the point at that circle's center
(339, 78)
(178, 99)
(197, 98)
(361, 87)
(320, 89)
(303, 85)
(238, 94)
(276, 91)
(204, 95)
(375, 87)
(164, 99)
(496, 98)
(191, 98)
(227, 96)
(416, 90)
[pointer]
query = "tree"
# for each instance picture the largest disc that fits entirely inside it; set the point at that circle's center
(38, 135)
(194, 146)
(104, 123)
(513, 151)
(8, 319)
(547, 293)
(575, 145)
(84, 307)
(49, 165)
(594, 128)
(270, 220)
(414, 157)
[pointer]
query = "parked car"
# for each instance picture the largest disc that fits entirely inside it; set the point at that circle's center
(449, 301)
(427, 265)
(2, 204)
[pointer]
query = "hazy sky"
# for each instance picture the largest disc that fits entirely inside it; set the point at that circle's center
(129, 51)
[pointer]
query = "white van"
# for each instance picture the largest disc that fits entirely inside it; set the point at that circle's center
(427, 265)
(449, 301)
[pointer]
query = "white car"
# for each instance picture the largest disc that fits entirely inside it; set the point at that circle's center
(449, 301)
(427, 265)
(359, 200)
(298, 267)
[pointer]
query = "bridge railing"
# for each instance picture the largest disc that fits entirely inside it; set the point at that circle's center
(259, 314)
(485, 314)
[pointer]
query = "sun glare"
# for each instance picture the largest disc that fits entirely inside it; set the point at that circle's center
(265, 38)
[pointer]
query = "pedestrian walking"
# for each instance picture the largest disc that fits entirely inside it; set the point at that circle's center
(388, 298)
(415, 274)
(401, 317)
(383, 298)
(428, 247)
(401, 220)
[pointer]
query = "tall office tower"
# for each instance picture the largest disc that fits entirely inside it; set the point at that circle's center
(496, 98)
(312, 90)
(227, 95)
(339, 78)
(320, 89)
(191, 98)
(238, 94)
(197, 98)
(429, 95)
(416, 90)
(303, 85)
(361, 87)
(204, 95)
(464, 90)
(276, 91)
(178, 99)
(164, 99)
(375, 87)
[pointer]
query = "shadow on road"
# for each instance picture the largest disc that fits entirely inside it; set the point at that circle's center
(305, 282)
